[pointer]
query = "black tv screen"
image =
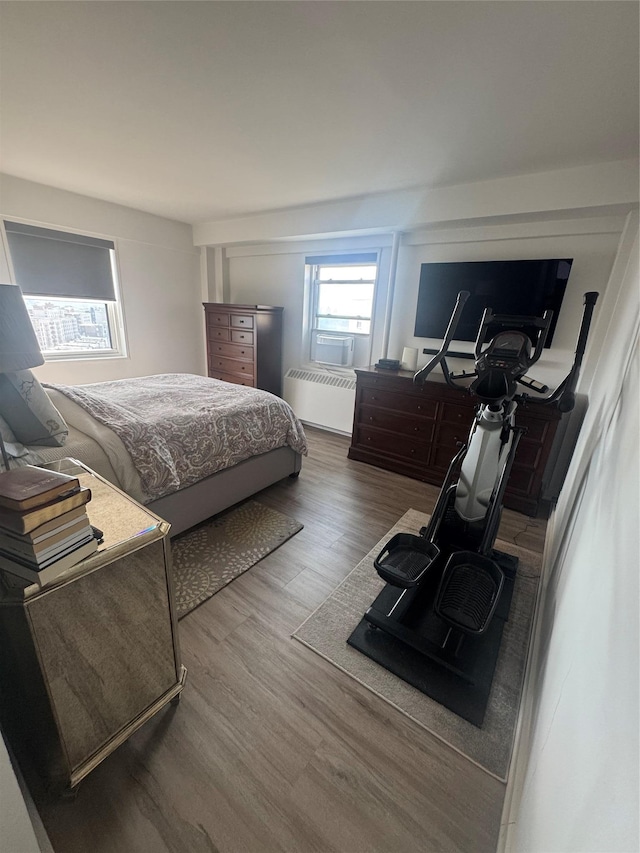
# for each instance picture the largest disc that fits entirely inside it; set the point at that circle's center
(507, 287)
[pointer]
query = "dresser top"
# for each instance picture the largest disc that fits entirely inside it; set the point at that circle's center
(226, 306)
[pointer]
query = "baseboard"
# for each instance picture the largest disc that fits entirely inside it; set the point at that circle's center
(325, 428)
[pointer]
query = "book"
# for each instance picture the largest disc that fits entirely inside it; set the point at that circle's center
(41, 550)
(24, 522)
(44, 575)
(28, 487)
(47, 531)
(41, 561)
(49, 528)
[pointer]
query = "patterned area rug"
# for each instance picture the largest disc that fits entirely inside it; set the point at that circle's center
(327, 629)
(208, 557)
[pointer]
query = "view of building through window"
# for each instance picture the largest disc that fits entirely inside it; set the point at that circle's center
(344, 297)
(69, 325)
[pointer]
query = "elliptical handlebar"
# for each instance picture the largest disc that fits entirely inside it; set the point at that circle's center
(420, 377)
(564, 394)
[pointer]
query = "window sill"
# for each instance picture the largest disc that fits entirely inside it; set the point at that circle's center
(50, 358)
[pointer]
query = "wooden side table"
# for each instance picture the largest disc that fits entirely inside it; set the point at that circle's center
(90, 657)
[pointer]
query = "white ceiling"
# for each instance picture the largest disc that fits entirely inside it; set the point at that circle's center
(203, 111)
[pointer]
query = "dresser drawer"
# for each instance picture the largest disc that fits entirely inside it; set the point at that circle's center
(231, 350)
(240, 336)
(413, 404)
(242, 321)
(528, 454)
(454, 413)
(396, 422)
(217, 319)
(218, 333)
(447, 441)
(230, 365)
(521, 480)
(400, 447)
(234, 378)
(537, 429)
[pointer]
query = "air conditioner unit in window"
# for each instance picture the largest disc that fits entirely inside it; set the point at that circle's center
(332, 349)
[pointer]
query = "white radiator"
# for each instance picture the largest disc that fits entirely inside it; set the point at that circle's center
(321, 398)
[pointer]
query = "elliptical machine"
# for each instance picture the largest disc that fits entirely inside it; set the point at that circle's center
(438, 622)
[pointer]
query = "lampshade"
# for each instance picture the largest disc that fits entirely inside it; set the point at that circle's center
(19, 348)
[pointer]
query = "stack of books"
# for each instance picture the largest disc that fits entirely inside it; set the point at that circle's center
(44, 526)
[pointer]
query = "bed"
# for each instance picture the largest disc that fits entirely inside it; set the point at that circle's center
(186, 446)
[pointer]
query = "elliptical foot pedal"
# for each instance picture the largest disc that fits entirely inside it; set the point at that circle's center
(405, 559)
(469, 591)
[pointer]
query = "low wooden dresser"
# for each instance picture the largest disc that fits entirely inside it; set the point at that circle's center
(90, 657)
(417, 430)
(244, 344)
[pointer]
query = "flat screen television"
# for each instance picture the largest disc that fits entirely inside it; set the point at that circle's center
(525, 287)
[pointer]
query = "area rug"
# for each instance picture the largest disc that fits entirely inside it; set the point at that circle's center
(327, 629)
(208, 557)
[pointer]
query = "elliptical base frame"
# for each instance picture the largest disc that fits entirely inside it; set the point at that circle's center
(409, 645)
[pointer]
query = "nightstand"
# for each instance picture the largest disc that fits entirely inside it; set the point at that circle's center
(90, 657)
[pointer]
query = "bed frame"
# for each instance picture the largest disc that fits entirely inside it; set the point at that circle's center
(196, 503)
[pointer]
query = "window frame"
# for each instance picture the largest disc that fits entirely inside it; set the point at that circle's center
(113, 309)
(316, 284)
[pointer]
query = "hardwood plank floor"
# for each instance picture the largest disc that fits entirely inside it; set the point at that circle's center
(272, 748)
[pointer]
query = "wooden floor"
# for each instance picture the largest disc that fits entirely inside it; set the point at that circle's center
(272, 748)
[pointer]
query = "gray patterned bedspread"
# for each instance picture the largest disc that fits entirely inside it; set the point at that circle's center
(179, 428)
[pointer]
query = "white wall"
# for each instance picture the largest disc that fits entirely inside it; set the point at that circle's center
(17, 829)
(576, 782)
(159, 271)
(257, 279)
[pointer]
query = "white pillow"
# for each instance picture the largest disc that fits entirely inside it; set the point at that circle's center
(29, 412)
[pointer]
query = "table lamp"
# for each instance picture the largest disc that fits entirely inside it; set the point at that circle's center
(19, 348)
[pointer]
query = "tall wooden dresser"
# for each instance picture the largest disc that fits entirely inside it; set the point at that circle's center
(244, 344)
(416, 431)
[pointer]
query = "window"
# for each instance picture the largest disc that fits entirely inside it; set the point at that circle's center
(69, 283)
(342, 293)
